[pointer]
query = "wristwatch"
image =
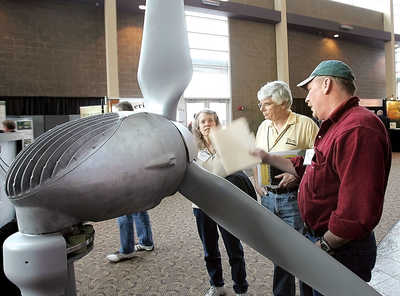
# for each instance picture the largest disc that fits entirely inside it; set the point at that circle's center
(325, 246)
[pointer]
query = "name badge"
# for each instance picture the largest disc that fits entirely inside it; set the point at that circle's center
(291, 142)
(203, 156)
(309, 156)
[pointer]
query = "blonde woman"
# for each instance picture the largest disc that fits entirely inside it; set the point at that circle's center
(204, 121)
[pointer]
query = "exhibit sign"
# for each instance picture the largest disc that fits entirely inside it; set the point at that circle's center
(393, 113)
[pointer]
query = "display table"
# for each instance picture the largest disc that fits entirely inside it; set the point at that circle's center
(11, 144)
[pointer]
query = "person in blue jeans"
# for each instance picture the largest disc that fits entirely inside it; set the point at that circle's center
(127, 236)
(125, 223)
(281, 131)
(285, 206)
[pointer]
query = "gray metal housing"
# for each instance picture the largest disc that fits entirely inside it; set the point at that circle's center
(94, 169)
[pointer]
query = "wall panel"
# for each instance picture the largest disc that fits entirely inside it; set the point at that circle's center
(306, 51)
(130, 30)
(52, 48)
(253, 62)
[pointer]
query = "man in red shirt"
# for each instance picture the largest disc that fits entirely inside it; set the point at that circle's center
(344, 178)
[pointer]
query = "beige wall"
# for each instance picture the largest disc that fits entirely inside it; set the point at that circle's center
(338, 12)
(307, 50)
(253, 62)
(56, 48)
(130, 30)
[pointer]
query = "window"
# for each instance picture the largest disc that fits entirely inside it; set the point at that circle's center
(396, 23)
(369, 4)
(209, 48)
(397, 59)
(396, 16)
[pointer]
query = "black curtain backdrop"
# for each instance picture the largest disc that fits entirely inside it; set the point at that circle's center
(47, 105)
(299, 106)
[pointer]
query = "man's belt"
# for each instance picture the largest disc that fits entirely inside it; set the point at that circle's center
(280, 190)
(314, 233)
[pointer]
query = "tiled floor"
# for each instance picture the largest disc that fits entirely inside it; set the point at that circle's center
(386, 274)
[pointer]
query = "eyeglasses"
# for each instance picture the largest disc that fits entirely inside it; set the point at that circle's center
(261, 105)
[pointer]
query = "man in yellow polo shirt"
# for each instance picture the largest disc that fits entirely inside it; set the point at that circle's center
(282, 130)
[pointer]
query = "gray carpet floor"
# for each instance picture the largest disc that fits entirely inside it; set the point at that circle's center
(176, 266)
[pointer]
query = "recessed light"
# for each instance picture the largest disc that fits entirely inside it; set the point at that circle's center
(142, 7)
(346, 27)
(336, 35)
(211, 2)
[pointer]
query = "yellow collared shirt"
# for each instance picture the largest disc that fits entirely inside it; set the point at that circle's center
(299, 132)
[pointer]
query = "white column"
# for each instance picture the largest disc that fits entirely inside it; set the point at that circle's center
(391, 87)
(111, 32)
(281, 36)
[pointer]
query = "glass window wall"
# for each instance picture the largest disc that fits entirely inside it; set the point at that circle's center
(209, 49)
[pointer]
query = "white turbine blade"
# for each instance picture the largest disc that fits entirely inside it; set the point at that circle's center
(269, 235)
(165, 66)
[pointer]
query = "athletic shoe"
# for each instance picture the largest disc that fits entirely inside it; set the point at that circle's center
(215, 291)
(139, 247)
(117, 256)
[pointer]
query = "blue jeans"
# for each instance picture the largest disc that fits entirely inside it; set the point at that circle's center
(285, 207)
(127, 232)
(358, 256)
(208, 233)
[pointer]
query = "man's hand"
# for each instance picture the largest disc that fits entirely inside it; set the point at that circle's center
(260, 190)
(287, 181)
(334, 241)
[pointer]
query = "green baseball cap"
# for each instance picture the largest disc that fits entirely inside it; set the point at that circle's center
(330, 68)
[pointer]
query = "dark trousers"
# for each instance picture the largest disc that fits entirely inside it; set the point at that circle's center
(208, 233)
(358, 256)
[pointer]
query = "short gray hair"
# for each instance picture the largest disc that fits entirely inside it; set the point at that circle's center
(278, 91)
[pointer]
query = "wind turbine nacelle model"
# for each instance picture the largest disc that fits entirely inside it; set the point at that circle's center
(97, 168)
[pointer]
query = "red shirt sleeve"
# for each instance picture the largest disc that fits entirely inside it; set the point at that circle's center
(298, 165)
(359, 160)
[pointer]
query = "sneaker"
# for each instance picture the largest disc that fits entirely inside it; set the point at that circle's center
(215, 291)
(117, 256)
(139, 247)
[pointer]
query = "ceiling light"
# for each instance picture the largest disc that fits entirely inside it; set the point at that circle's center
(142, 7)
(211, 2)
(336, 35)
(345, 27)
